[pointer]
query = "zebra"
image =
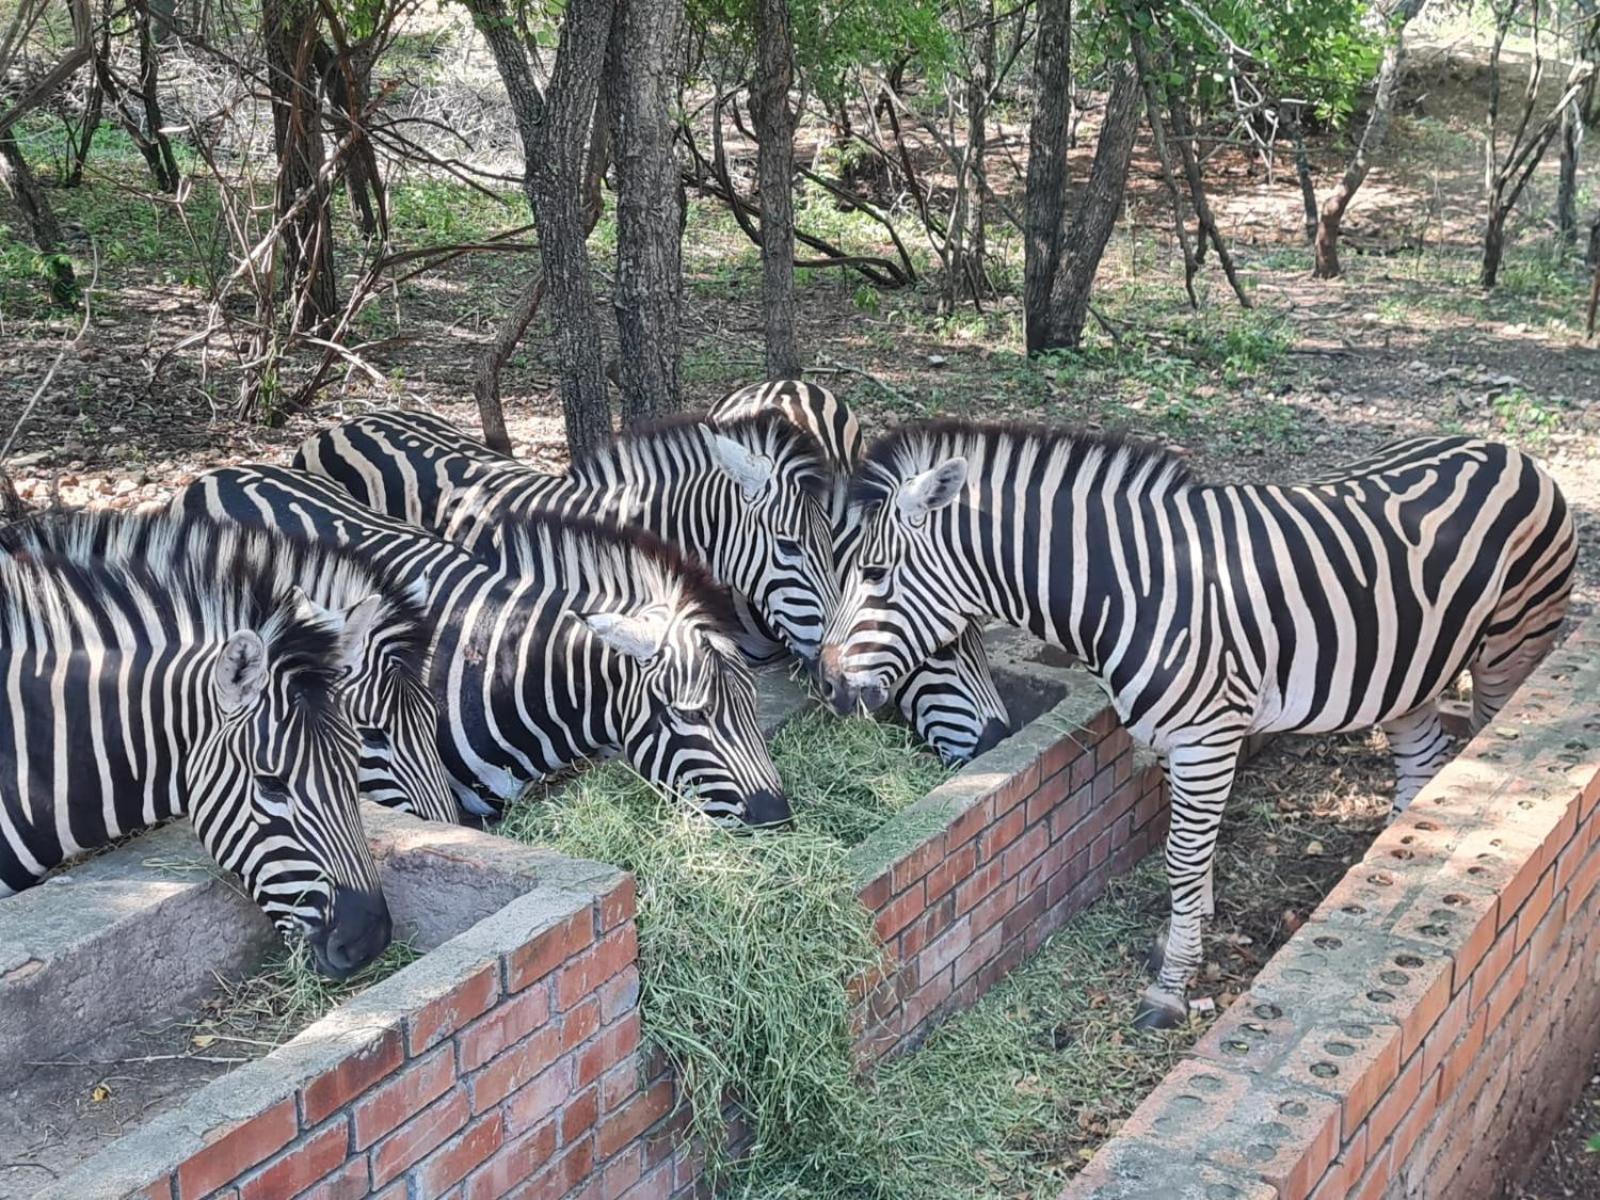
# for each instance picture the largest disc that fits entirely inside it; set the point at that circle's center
(950, 699)
(385, 632)
(199, 681)
(578, 641)
(1211, 612)
(742, 499)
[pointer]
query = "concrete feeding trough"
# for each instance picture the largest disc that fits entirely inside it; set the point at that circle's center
(508, 1055)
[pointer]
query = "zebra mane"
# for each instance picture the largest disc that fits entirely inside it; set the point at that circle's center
(769, 434)
(582, 555)
(919, 446)
(222, 577)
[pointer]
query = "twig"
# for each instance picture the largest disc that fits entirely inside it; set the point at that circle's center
(125, 1062)
(834, 367)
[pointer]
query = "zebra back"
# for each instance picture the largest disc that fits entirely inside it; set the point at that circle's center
(745, 499)
(575, 641)
(183, 676)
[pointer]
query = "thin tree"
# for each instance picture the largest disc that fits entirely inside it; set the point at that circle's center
(775, 120)
(650, 205)
(1045, 197)
(1391, 71)
(554, 127)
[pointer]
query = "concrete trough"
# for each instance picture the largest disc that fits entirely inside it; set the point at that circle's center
(507, 1058)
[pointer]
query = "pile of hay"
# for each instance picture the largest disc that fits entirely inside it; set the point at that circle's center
(747, 939)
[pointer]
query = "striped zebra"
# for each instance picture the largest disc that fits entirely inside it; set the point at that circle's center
(192, 681)
(579, 641)
(382, 684)
(1211, 612)
(743, 500)
(950, 699)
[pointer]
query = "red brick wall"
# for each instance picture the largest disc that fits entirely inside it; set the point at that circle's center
(1421, 1035)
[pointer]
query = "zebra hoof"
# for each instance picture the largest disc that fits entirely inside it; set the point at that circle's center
(1160, 1009)
(1158, 954)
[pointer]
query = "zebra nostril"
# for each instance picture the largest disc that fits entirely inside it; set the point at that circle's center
(359, 929)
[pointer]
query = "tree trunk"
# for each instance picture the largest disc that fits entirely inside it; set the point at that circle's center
(347, 78)
(1494, 241)
(775, 125)
(1085, 240)
(1567, 187)
(1045, 197)
(289, 30)
(555, 133)
(39, 217)
(1390, 72)
(644, 44)
(82, 139)
(1302, 169)
(162, 162)
(967, 268)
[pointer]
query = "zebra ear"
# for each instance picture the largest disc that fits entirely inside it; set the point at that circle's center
(933, 489)
(750, 471)
(638, 637)
(360, 619)
(241, 670)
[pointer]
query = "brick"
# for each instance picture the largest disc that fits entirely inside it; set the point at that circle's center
(159, 1190)
(536, 1100)
(350, 1182)
(1535, 906)
(1397, 1101)
(916, 863)
(1026, 849)
(614, 1043)
(419, 1137)
(520, 1063)
(926, 999)
(619, 994)
(1052, 792)
(561, 1176)
(900, 912)
(643, 1111)
(580, 1114)
(233, 1149)
(1507, 991)
(1026, 912)
(517, 1160)
(1492, 967)
(617, 951)
(1345, 1170)
(418, 1086)
(975, 888)
(994, 907)
(945, 949)
(622, 1172)
(1001, 834)
(465, 1002)
(657, 1185)
(506, 1025)
(332, 1090)
(875, 893)
(1446, 1031)
(619, 904)
(969, 824)
(1464, 1054)
(1584, 880)
(951, 870)
(549, 950)
(580, 1023)
(449, 1164)
(299, 1167)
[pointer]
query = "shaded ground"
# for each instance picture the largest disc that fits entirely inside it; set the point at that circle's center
(1570, 1168)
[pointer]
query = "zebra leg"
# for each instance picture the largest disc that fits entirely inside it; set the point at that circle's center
(1199, 778)
(1500, 670)
(1421, 747)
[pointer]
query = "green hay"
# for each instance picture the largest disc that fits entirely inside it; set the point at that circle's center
(270, 1006)
(746, 939)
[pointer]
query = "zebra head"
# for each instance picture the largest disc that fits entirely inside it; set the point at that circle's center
(385, 689)
(273, 788)
(910, 590)
(674, 695)
(781, 551)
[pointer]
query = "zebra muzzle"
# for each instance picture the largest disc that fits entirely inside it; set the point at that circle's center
(357, 931)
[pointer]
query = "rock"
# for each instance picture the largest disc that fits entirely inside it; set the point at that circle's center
(124, 487)
(23, 461)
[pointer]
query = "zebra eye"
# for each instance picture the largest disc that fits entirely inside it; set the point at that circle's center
(272, 796)
(789, 548)
(875, 574)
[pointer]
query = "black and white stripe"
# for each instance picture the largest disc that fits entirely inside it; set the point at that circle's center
(188, 678)
(1209, 613)
(950, 698)
(576, 641)
(743, 499)
(384, 634)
